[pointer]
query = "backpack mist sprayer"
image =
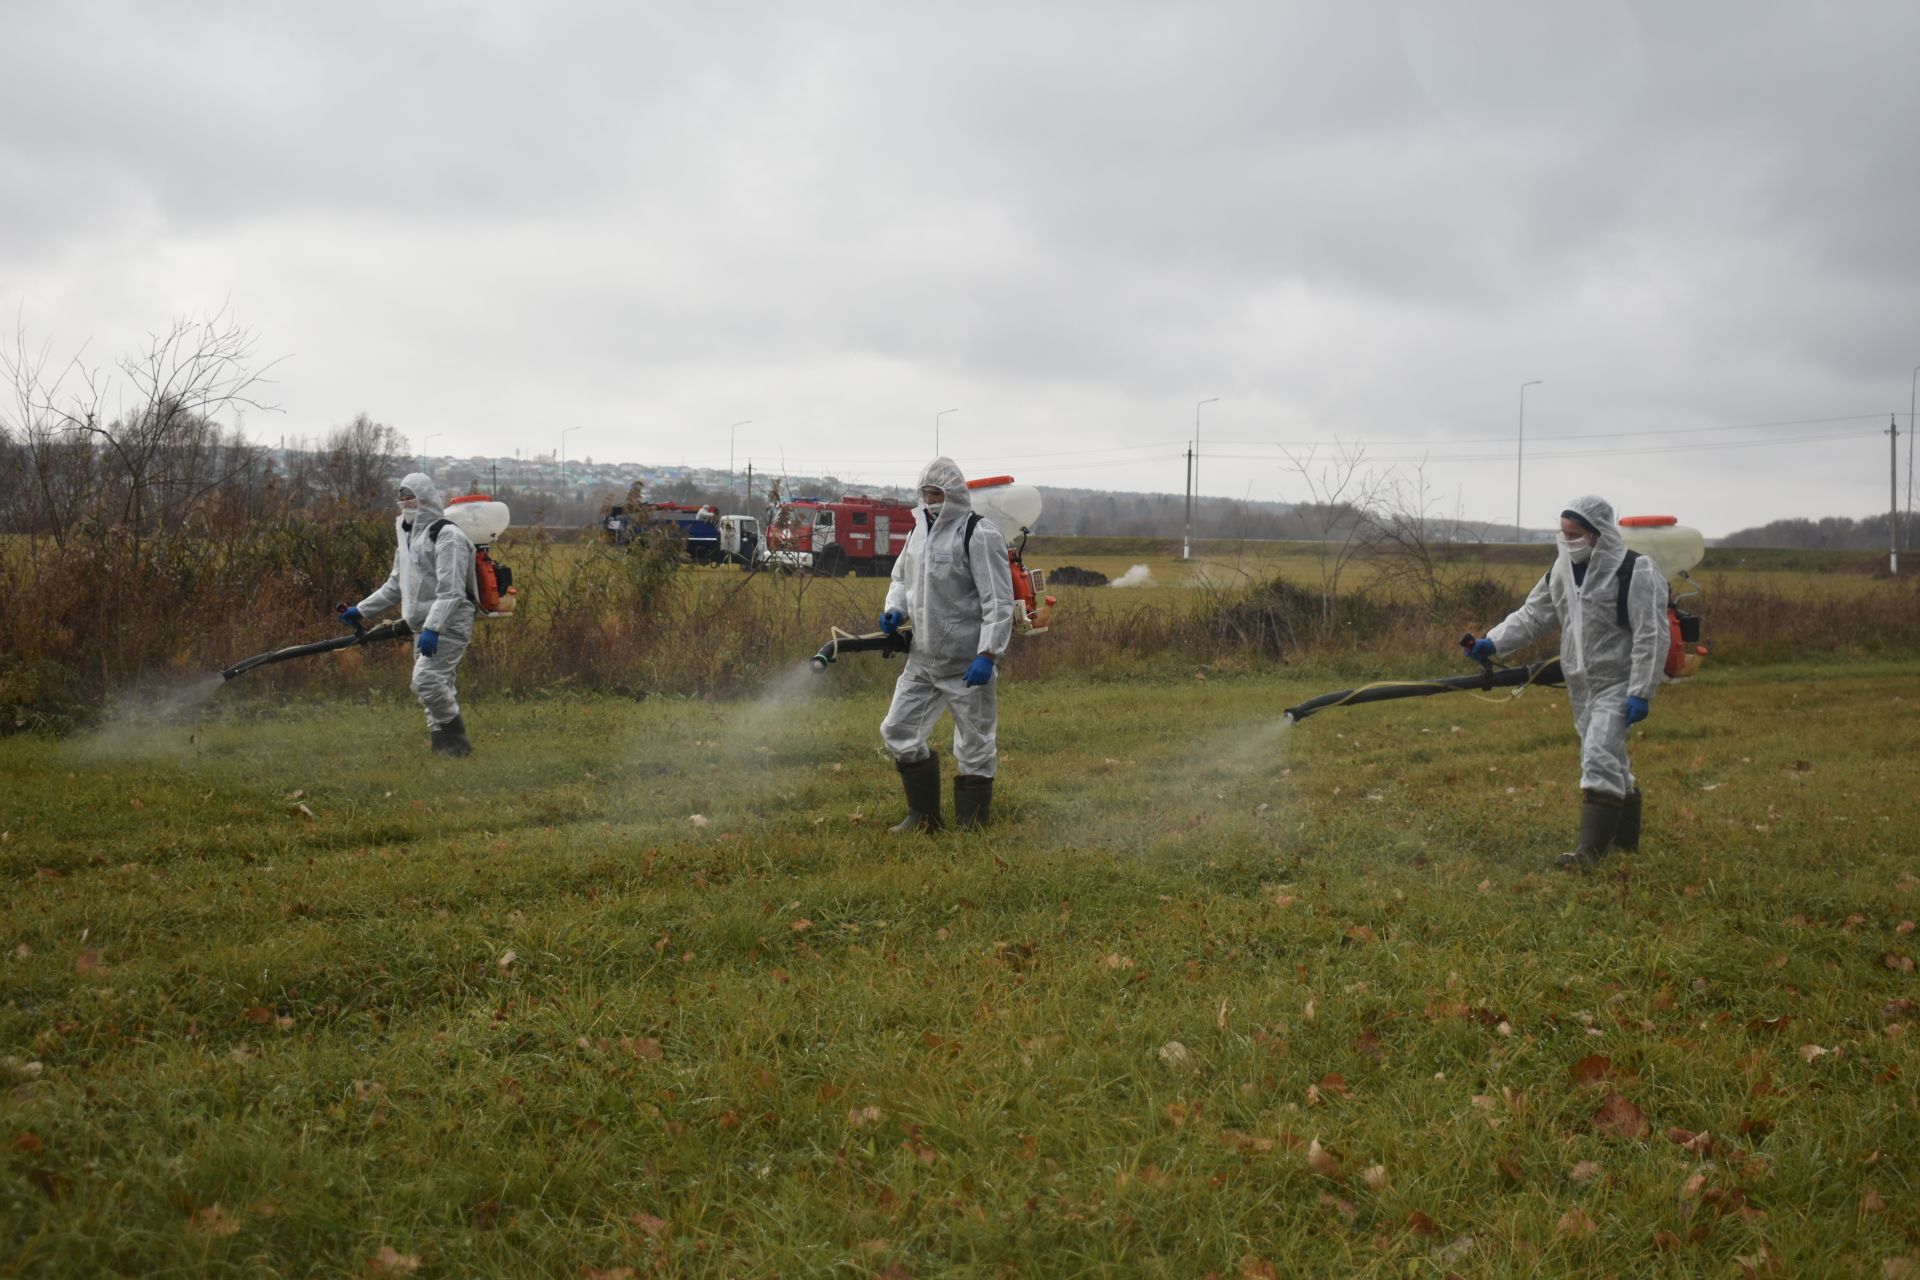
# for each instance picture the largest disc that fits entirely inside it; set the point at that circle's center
(1009, 506)
(1672, 547)
(483, 520)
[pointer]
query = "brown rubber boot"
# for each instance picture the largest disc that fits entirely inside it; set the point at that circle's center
(1599, 820)
(972, 801)
(921, 780)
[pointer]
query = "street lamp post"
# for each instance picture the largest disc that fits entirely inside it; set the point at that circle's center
(730, 430)
(936, 429)
(1196, 442)
(563, 470)
(1519, 455)
(1907, 537)
(424, 443)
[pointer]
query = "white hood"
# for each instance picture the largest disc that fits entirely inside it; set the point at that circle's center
(945, 474)
(431, 504)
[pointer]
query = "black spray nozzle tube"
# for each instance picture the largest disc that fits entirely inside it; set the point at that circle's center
(1547, 672)
(395, 630)
(879, 642)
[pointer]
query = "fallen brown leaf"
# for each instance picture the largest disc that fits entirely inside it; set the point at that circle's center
(1344, 1208)
(214, 1221)
(1618, 1117)
(391, 1262)
(1576, 1224)
(1591, 1069)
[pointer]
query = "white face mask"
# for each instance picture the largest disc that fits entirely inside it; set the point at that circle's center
(935, 507)
(1577, 549)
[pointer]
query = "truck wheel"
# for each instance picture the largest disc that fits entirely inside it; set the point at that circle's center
(831, 563)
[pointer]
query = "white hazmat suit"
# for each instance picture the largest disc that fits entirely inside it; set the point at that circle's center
(434, 583)
(1605, 663)
(957, 593)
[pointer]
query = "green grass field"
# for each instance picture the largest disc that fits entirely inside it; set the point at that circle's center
(283, 995)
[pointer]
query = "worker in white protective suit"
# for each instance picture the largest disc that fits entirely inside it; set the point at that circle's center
(952, 585)
(434, 583)
(1612, 666)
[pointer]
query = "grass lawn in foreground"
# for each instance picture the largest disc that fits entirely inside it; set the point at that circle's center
(283, 995)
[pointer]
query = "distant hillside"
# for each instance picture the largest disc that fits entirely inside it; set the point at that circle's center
(537, 487)
(1829, 533)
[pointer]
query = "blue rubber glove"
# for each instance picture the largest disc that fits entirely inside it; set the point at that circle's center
(979, 671)
(429, 643)
(1636, 710)
(890, 621)
(1482, 648)
(348, 616)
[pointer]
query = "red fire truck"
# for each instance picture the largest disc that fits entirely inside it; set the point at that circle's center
(831, 536)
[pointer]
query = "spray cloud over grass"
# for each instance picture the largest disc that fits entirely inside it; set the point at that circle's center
(145, 720)
(743, 753)
(1222, 784)
(1138, 576)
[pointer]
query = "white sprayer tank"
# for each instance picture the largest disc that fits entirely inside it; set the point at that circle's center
(1665, 541)
(1012, 507)
(481, 518)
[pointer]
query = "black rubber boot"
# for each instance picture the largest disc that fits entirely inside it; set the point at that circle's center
(452, 740)
(1627, 838)
(921, 779)
(1599, 821)
(972, 801)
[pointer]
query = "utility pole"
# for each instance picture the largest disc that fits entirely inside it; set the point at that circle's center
(1907, 536)
(1893, 495)
(496, 476)
(749, 486)
(1196, 437)
(1520, 456)
(1186, 540)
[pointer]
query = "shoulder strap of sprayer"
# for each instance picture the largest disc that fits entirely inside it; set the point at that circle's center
(1625, 580)
(1622, 576)
(433, 536)
(966, 536)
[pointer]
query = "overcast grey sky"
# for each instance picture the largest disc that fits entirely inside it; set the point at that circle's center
(1362, 222)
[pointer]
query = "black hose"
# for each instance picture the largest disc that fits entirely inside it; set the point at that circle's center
(879, 642)
(394, 630)
(1547, 672)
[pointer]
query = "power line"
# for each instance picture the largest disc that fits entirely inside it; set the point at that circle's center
(1588, 453)
(1577, 435)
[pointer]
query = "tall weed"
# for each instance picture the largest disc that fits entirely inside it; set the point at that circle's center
(99, 615)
